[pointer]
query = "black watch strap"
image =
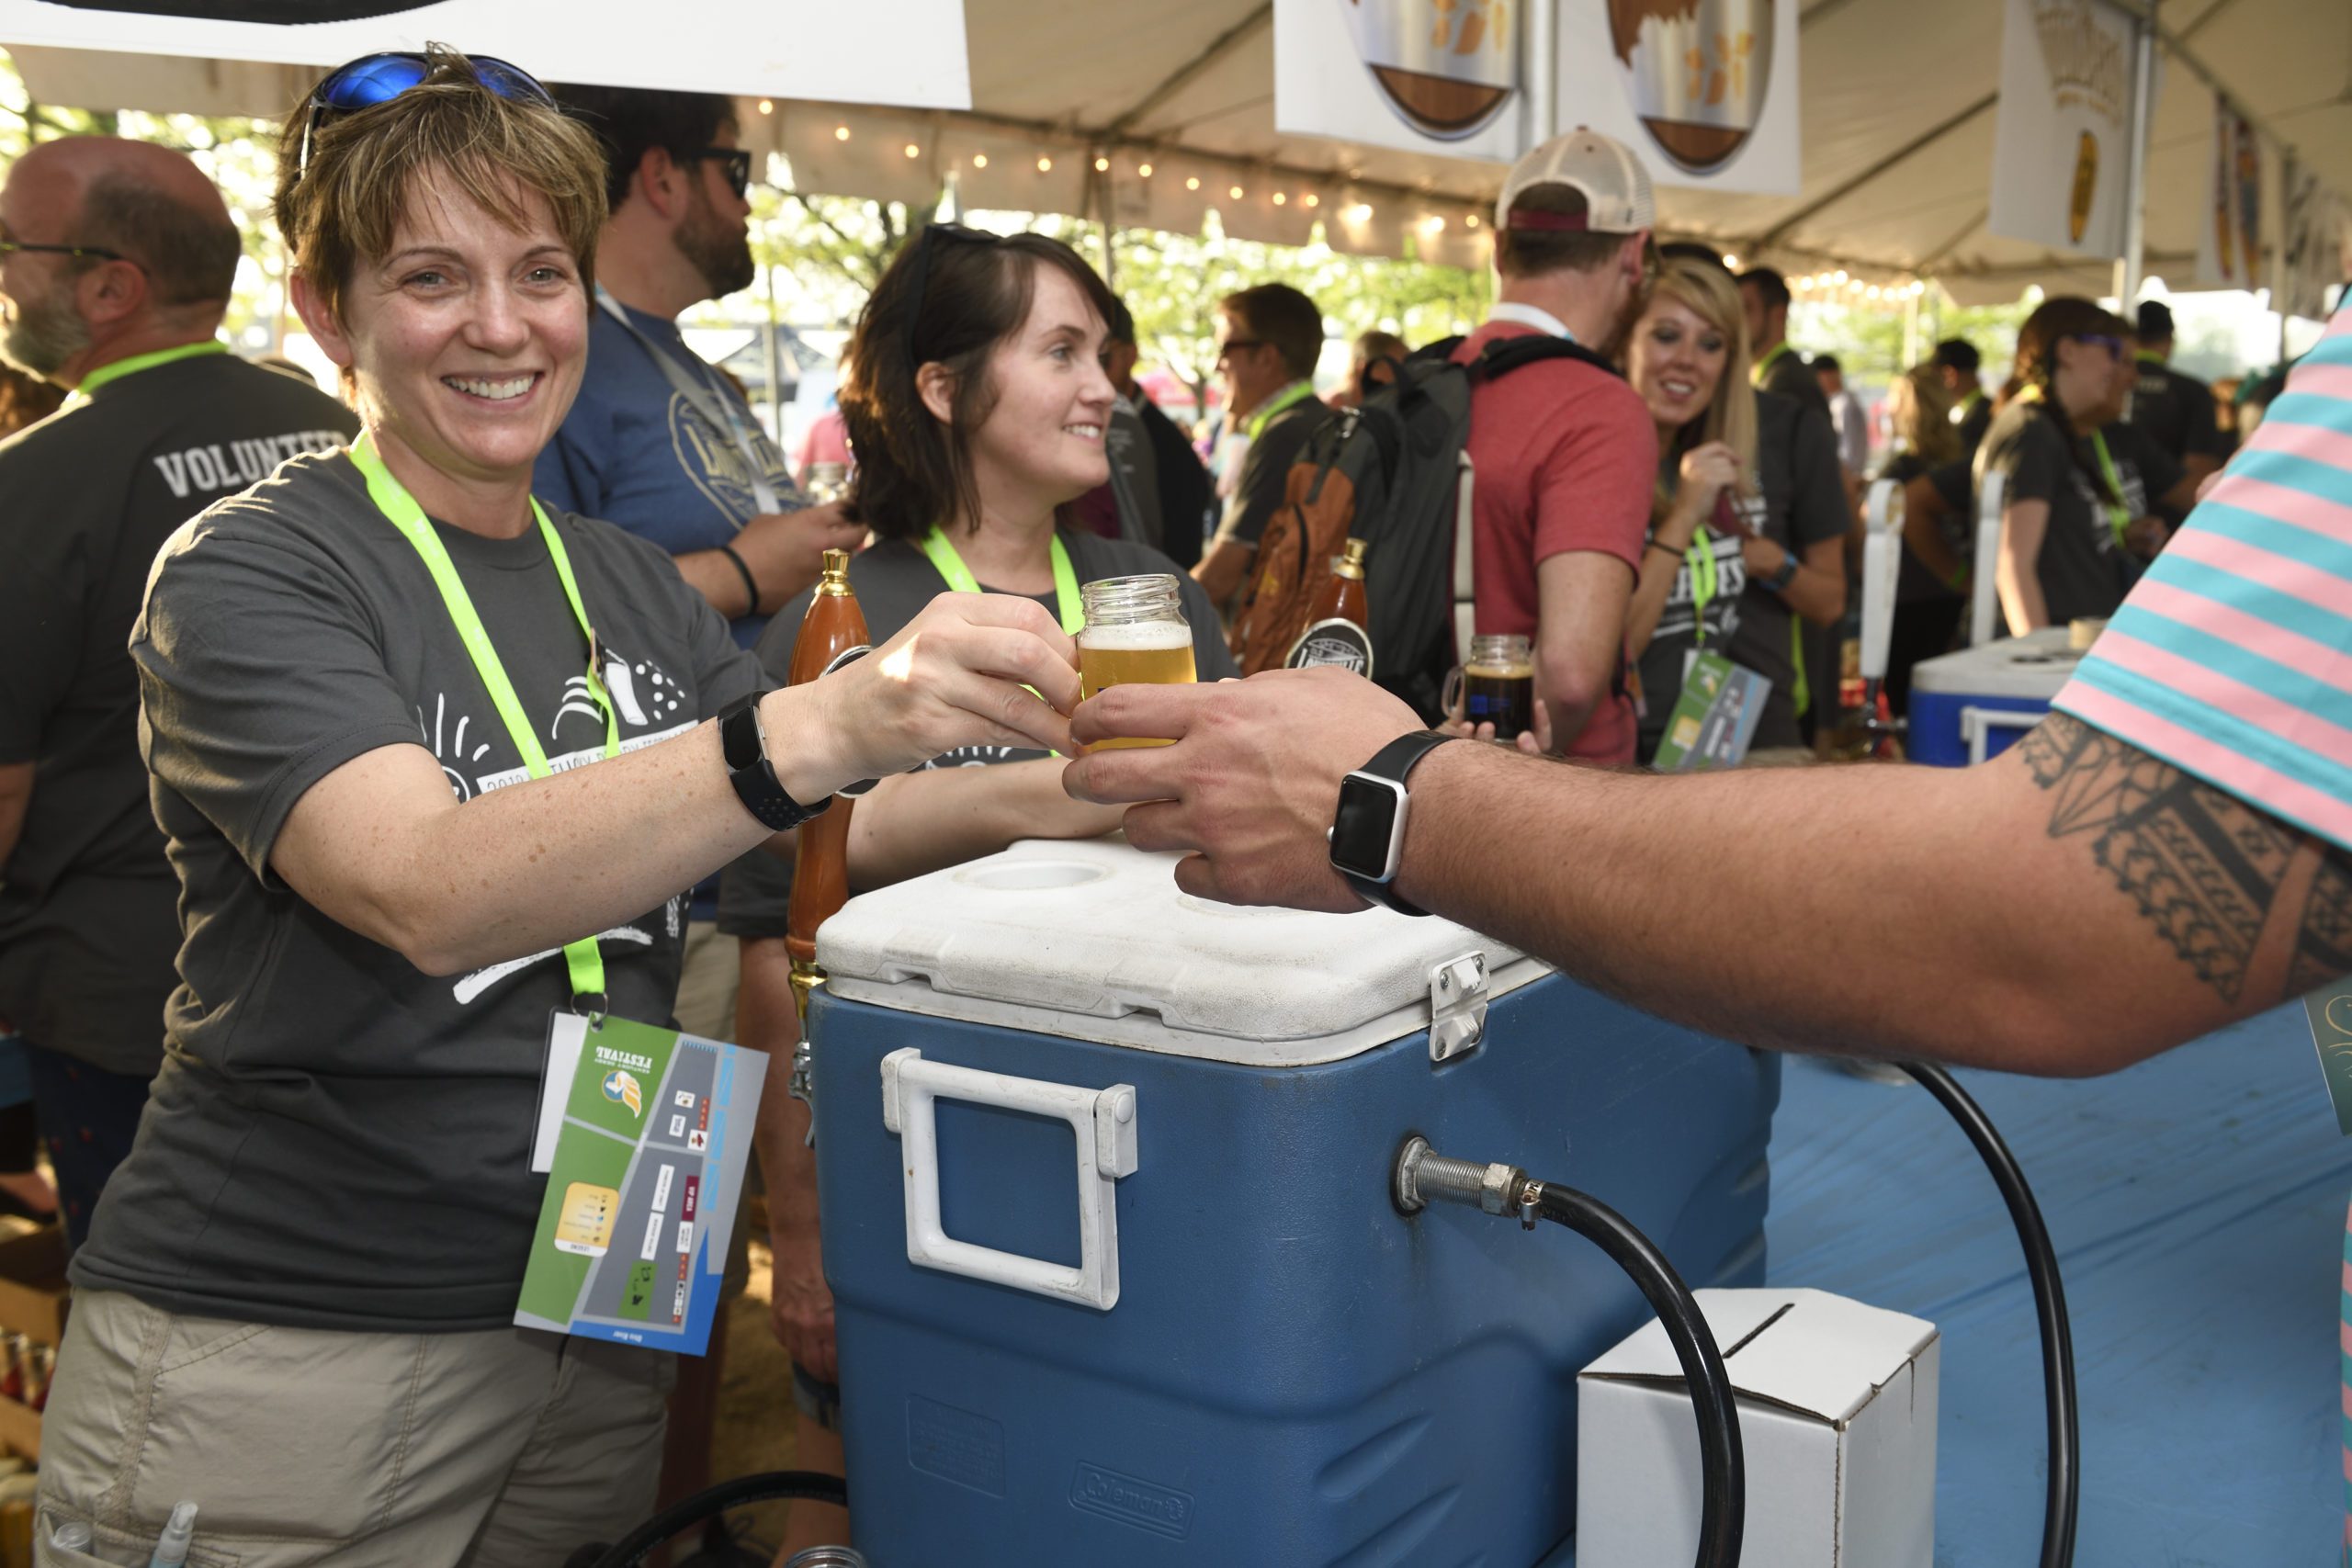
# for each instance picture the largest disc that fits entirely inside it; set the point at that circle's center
(1394, 762)
(743, 740)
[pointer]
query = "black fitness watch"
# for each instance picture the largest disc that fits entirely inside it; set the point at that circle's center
(744, 741)
(1367, 833)
(1784, 574)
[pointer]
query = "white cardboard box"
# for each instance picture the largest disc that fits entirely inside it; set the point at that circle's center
(1837, 1419)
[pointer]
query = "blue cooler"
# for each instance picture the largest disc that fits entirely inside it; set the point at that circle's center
(1977, 702)
(1118, 1279)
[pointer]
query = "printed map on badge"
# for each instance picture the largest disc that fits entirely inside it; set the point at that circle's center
(640, 1199)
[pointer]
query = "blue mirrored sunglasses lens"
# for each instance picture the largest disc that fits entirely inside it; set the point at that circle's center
(381, 78)
(508, 81)
(376, 80)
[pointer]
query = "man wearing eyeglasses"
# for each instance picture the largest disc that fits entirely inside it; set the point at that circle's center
(116, 260)
(1268, 339)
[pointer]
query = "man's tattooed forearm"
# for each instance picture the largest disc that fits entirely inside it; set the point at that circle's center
(2323, 941)
(2204, 867)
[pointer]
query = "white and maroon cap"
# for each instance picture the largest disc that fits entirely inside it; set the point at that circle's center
(1615, 187)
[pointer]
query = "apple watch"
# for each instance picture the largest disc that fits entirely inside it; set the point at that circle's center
(1367, 833)
(743, 742)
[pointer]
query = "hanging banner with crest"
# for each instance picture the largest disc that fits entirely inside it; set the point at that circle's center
(2061, 172)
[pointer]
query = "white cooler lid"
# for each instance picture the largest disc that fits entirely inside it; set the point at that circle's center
(1092, 940)
(2034, 666)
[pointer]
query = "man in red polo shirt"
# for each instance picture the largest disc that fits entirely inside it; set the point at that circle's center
(1564, 452)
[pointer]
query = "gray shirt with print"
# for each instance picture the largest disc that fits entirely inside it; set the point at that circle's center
(337, 1139)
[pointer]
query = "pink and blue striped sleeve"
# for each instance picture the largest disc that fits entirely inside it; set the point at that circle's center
(2233, 657)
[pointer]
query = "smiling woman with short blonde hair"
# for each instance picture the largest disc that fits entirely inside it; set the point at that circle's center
(434, 762)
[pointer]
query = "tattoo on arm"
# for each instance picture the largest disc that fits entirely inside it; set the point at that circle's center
(2205, 867)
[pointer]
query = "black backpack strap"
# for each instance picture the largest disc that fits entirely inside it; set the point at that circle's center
(1503, 356)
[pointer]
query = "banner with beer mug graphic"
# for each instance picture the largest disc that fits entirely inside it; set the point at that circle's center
(1428, 76)
(1706, 90)
(2061, 168)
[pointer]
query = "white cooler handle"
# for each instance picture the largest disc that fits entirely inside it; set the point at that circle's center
(1976, 727)
(1104, 1122)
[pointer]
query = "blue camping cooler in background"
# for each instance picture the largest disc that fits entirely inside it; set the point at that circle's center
(1105, 1178)
(1978, 703)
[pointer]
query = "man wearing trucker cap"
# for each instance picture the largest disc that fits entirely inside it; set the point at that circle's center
(1564, 451)
(2169, 851)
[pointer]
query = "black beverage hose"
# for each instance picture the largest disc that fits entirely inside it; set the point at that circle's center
(635, 1547)
(2064, 1497)
(1723, 1515)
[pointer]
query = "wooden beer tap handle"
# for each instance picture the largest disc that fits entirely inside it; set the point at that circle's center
(834, 625)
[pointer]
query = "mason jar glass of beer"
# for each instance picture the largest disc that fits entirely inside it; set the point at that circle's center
(1134, 631)
(1496, 686)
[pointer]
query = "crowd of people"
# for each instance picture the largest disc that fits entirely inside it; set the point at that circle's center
(302, 846)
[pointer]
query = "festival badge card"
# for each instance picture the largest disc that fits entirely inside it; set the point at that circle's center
(1714, 718)
(2330, 1010)
(644, 1135)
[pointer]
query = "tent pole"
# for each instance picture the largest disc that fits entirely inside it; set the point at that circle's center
(1540, 70)
(774, 360)
(2135, 188)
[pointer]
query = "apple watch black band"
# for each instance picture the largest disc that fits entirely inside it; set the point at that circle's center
(1368, 831)
(743, 740)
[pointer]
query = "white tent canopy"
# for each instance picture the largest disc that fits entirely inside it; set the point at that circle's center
(1072, 101)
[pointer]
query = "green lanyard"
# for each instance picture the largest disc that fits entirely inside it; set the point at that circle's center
(135, 363)
(2119, 517)
(959, 577)
(400, 508)
(1289, 396)
(1698, 555)
(1764, 365)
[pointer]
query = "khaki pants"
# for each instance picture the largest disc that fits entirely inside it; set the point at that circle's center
(709, 973)
(503, 1449)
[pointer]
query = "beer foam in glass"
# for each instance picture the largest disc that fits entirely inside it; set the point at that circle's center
(1135, 632)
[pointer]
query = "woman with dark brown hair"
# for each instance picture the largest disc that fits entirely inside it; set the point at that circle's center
(2083, 488)
(978, 406)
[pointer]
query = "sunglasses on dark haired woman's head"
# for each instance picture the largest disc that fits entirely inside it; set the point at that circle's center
(380, 78)
(933, 234)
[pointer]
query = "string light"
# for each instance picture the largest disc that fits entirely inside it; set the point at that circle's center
(913, 151)
(841, 133)
(979, 160)
(1144, 170)
(1312, 200)
(1731, 261)
(1280, 198)
(1192, 182)
(1360, 213)
(767, 105)
(1102, 165)
(1433, 224)
(1044, 166)
(1235, 193)
(1471, 221)
(1840, 276)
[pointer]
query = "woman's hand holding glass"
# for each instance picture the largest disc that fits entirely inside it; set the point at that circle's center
(1706, 472)
(971, 670)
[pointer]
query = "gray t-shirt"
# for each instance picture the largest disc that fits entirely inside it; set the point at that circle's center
(894, 581)
(1794, 500)
(2083, 571)
(337, 1139)
(88, 904)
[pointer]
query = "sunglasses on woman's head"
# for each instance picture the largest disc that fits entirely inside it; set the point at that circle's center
(933, 233)
(380, 78)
